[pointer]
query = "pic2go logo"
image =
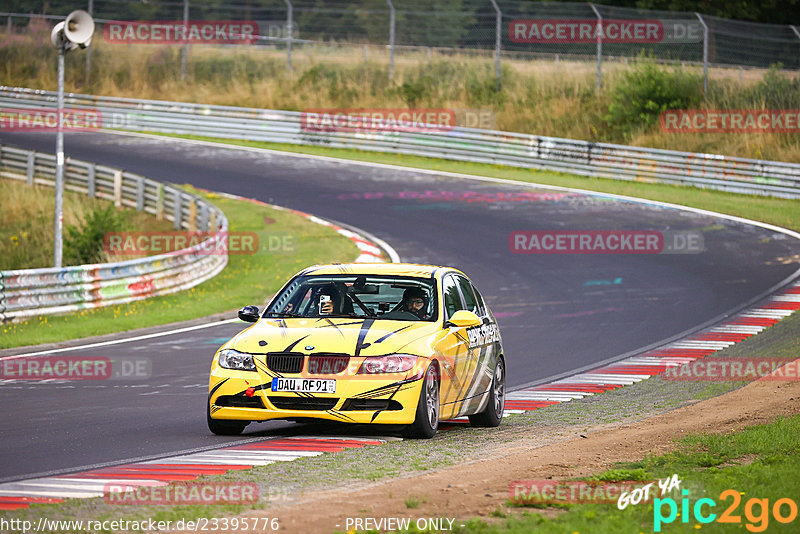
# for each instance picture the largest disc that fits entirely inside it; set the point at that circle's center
(756, 511)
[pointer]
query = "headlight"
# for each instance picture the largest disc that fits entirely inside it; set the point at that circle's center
(393, 363)
(233, 359)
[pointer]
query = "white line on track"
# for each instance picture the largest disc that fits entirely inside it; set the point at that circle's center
(124, 340)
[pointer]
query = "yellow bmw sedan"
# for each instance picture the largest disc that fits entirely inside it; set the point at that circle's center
(393, 344)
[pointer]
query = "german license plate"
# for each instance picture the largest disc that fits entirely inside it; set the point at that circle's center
(304, 385)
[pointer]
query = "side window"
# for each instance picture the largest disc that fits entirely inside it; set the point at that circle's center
(470, 301)
(479, 300)
(452, 299)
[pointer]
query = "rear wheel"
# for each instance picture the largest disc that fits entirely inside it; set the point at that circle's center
(493, 413)
(224, 428)
(427, 420)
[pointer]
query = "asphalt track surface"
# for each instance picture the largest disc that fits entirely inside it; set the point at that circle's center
(557, 312)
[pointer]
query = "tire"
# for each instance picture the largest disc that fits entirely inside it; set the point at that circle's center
(493, 413)
(427, 419)
(224, 428)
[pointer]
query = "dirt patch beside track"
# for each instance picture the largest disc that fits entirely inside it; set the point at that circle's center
(478, 487)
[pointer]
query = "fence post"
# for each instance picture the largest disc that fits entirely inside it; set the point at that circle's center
(118, 189)
(498, 40)
(289, 23)
(90, 185)
(599, 46)
(177, 209)
(139, 193)
(184, 50)
(31, 166)
(796, 31)
(391, 38)
(204, 217)
(90, 9)
(160, 202)
(8, 24)
(192, 215)
(705, 53)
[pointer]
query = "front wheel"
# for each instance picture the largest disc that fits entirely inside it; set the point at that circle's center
(224, 428)
(493, 413)
(427, 420)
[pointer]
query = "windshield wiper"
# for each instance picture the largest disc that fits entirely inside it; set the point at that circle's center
(284, 314)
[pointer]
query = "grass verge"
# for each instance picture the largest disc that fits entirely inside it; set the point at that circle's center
(288, 242)
(26, 228)
(756, 464)
(780, 212)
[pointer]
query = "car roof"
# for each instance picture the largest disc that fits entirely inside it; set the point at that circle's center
(400, 269)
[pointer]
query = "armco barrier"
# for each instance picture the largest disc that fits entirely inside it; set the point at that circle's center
(34, 292)
(601, 160)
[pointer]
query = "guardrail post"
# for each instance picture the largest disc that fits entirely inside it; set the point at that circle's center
(118, 189)
(391, 37)
(31, 167)
(139, 193)
(91, 184)
(498, 39)
(599, 46)
(184, 50)
(204, 217)
(192, 215)
(160, 202)
(177, 210)
(705, 53)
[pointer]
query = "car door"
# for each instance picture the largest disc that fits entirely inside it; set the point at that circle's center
(452, 350)
(482, 351)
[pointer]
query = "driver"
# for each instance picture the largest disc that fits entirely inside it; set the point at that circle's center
(416, 302)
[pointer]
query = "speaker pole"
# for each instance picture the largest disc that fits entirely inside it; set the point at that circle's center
(59, 215)
(90, 9)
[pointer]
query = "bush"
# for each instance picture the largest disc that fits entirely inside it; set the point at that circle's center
(645, 92)
(776, 91)
(85, 244)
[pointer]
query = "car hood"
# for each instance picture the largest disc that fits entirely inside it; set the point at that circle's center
(356, 337)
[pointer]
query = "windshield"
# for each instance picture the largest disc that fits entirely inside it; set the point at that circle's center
(380, 297)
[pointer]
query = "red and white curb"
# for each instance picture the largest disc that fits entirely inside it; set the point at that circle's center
(642, 366)
(162, 472)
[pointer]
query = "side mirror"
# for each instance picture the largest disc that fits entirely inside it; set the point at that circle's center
(463, 318)
(249, 314)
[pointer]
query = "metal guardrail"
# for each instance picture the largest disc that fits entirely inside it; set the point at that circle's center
(602, 160)
(29, 293)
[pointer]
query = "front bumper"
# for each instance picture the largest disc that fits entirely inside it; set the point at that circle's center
(389, 399)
